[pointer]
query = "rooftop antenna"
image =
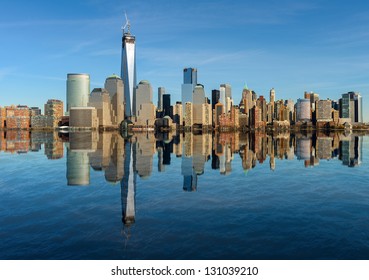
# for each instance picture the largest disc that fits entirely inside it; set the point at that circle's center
(127, 25)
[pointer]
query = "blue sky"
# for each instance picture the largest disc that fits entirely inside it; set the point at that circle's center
(293, 46)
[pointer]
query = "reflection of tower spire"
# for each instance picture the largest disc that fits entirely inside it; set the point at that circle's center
(128, 186)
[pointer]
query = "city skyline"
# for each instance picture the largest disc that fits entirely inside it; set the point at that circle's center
(267, 45)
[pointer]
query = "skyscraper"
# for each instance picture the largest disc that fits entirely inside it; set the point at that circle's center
(161, 92)
(189, 83)
(128, 69)
(78, 90)
(166, 105)
(351, 106)
(190, 76)
(114, 85)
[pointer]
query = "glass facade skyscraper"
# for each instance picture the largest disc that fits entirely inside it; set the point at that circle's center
(128, 71)
(190, 76)
(78, 90)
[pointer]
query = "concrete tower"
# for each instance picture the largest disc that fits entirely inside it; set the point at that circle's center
(128, 69)
(114, 85)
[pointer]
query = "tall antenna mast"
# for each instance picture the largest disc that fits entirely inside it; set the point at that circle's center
(127, 25)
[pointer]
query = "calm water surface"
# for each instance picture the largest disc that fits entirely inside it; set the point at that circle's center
(234, 196)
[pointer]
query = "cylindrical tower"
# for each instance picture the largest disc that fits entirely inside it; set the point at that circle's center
(78, 90)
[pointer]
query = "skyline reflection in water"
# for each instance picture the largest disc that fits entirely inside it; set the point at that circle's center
(145, 160)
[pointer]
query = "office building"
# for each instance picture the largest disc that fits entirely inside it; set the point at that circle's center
(100, 99)
(303, 111)
(161, 92)
(114, 86)
(178, 113)
(190, 76)
(324, 110)
(83, 117)
(144, 111)
(188, 86)
(18, 117)
(128, 70)
(351, 107)
(54, 108)
(166, 108)
(78, 90)
(215, 95)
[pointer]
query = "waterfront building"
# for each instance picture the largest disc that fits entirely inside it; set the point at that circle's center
(83, 117)
(54, 109)
(2, 118)
(35, 111)
(100, 99)
(78, 90)
(144, 111)
(303, 111)
(114, 86)
(351, 107)
(324, 110)
(18, 117)
(128, 70)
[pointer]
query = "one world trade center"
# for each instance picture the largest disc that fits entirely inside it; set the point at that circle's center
(128, 70)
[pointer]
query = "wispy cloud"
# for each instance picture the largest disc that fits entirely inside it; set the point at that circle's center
(61, 22)
(76, 48)
(6, 71)
(106, 52)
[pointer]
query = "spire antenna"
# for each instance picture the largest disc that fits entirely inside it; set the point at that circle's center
(127, 25)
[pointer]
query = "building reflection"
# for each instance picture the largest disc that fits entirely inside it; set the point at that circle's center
(23, 141)
(120, 159)
(128, 184)
(81, 145)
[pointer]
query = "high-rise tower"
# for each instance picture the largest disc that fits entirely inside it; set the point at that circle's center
(128, 70)
(78, 90)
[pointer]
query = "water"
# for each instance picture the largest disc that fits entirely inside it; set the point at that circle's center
(235, 196)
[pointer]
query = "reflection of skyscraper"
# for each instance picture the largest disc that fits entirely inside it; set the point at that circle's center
(128, 186)
(303, 148)
(189, 176)
(128, 69)
(144, 147)
(351, 150)
(78, 163)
